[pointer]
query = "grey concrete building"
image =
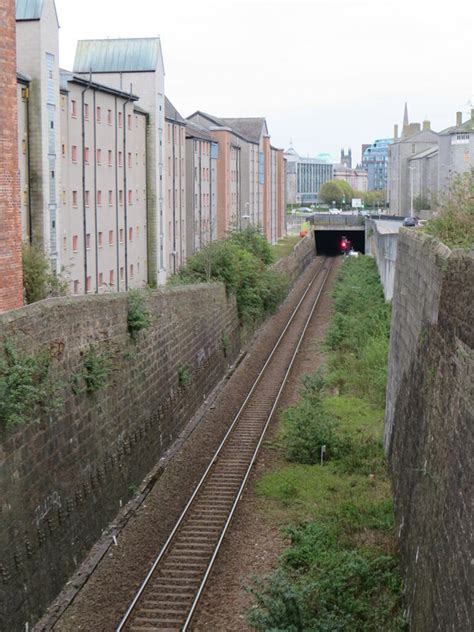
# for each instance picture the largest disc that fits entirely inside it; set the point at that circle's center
(414, 140)
(103, 229)
(456, 149)
(175, 186)
(304, 177)
(136, 65)
(37, 50)
(201, 187)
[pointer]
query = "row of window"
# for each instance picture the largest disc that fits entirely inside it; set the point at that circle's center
(102, 283)
(98, 115)
(87, 197)
(100, 238)
(74, 156)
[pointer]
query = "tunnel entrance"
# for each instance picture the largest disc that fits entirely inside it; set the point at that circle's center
(328, 241)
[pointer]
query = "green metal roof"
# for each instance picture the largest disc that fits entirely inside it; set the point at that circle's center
(117, 55)
(28, 9)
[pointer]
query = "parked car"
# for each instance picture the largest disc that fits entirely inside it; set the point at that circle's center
(409, 221)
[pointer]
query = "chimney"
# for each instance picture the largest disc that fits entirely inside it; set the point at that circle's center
(395, 132)
(426, 125)
(458, 119)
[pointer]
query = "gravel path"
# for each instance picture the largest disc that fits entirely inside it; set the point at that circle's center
(98, 606)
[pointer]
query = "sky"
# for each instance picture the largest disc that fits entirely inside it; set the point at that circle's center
(326, 74)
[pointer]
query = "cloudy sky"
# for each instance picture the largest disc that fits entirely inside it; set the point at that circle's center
(325, 73)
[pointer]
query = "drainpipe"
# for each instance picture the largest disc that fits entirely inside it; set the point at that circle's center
(84, 219)
(174, 196)
(117, 248)
(95, 201)
(210, 192)
(125, 192)
(200, 194)
(28, 161)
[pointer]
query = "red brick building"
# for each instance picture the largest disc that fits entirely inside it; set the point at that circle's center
(11, 285)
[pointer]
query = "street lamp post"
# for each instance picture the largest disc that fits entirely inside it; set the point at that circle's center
(412, 168)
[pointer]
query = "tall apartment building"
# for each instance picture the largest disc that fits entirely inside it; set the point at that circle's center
(304, 177)
(175, 185)
(374, 161)
(37, 57)
(245, 173)
(103, 228)
(11, 286)
(136, 66)
(201, 187)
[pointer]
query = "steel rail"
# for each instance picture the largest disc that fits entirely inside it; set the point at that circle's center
(215, 457)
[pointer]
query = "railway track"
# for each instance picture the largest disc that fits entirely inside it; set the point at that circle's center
(169, 595)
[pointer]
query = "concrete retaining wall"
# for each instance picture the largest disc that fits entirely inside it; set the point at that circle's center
(382, 246)
(429, 429)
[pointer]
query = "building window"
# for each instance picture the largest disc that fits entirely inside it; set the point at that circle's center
(87, 198)
(129, 160)
(120, 197)
(121, 273)
(75, 241)
(64, 243)
(109, 157)
(100, 240)
(99, 198)
(74, 198)
(109, 117)
(74, 153)
(130, 197)
(111, 237)
(111, 198)
(86, 155)
(101, 279)
(121, 236)
(76, 287)
(111, 277)
(88, 284)
(130, 233)
(63, 149)
(88, 241)
(131, 270)
(120, 159)
(129, 121)
(120, 119)
(74, 109)
(137, 230)
(86, 111)
(99, 156)
(99, 114)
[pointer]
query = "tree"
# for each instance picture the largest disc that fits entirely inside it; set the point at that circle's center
(335, 191)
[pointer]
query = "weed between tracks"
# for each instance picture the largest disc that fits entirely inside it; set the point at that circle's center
(341, 571)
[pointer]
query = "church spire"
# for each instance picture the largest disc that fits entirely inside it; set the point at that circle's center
(405, 115)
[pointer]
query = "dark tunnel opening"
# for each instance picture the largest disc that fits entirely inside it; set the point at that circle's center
(328, 242)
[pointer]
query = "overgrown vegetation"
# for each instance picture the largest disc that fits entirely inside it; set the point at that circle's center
(25, 385)
(284, 246)
(240, 262)
(38, 280)
(184, 375)
(94, 372)
(138, 315)
(341, 571)
(454, 225)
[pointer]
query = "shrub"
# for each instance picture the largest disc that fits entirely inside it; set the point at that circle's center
(25, 385)
(184, 376)
(94, 372)
(454, 225)
(252, 240)
(38, 280)
(138, 315)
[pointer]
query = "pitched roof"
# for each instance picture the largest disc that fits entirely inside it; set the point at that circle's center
(29, 9)
(65, 76)
(118, 55)
(464, 128)
(193, 130)
(426, 153)
(250, 128)
(172, 113)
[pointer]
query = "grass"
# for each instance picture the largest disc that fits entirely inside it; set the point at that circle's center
(284, 246)
(340, 572)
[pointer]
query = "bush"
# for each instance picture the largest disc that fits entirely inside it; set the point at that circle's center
(25, 385)
(239, 262)
(138, 315)
(94, 372)
(455, 224)
(38, 280)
